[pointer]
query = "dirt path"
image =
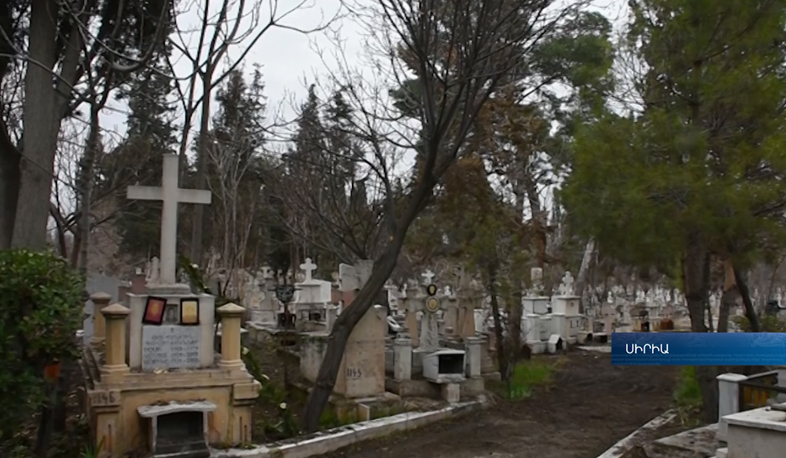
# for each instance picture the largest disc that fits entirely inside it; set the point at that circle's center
(591, 406)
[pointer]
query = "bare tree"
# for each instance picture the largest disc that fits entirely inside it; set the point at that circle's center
(461, 52)
(235, 211)
(329, 183)
(224, 24)
(83, 45)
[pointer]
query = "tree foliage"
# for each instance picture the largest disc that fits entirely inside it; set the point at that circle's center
(86, 50)
(40, 312)
(698, 170)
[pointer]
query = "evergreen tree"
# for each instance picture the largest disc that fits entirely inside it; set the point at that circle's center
(698, 172)
(236, 170)
(138, 159)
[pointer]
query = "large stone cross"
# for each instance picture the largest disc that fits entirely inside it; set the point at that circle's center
(171, 195)
(308, 267)
(428, 276)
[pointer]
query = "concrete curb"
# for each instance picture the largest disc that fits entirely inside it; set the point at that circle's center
(344, 436)
(622, 447)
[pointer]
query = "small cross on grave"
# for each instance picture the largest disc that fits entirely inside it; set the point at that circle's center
(308, 267)
(171, 195)
(429, 276)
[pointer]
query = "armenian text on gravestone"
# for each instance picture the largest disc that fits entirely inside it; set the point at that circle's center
(170, 347)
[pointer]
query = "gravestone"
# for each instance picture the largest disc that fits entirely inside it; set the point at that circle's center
(98, 283)
(312, 298)
(170, 347)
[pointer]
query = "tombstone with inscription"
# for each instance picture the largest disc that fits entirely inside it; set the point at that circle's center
(362, 371)
(159, 360)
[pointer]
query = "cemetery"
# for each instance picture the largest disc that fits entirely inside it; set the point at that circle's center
(162, 375)
(391, 228)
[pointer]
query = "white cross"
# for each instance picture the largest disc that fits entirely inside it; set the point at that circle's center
(429, 276)
(171, 195)
(308, 267)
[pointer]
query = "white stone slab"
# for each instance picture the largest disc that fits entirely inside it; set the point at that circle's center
(170, 347)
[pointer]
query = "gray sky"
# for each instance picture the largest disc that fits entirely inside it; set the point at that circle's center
(289, 58)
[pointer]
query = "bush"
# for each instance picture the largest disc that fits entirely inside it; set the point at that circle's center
(40, 311)
(530, 375)
(768, 323)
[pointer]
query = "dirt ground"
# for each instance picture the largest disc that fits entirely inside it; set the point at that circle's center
(590, 406)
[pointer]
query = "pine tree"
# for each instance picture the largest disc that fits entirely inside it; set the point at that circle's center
(698, 171)
(138, 160)
(236, 169)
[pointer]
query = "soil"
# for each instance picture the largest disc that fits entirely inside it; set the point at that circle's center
(589, 407)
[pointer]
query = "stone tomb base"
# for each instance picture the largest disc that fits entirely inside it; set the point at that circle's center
(136, 411)
(422, 388)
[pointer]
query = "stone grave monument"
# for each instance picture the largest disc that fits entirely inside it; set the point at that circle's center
(312, 300)
(153, 380)
(362, 371)
(566, 311)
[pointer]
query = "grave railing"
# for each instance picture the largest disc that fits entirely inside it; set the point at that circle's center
(757, 389)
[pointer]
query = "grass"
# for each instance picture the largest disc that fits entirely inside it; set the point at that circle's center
(526, 377)
(687, 397)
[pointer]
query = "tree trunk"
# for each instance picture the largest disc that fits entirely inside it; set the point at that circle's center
(727, 301)
(581, 277)
(697, 283)
(10, 178)
(10, 154)
(342, 328)
(86, 180)
(198, 223)
(515, 314)
(750, 311)
(41, 123)
(502, 357)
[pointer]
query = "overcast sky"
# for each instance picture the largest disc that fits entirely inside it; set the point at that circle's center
(289, 59)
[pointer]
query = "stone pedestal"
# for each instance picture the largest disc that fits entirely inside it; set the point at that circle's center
(559, 325)
(115, 366)
(567, 305)
(474, 356)
(781, 382)
(538, 305)
(728, 399)
(402, 358)
(231, 315)
(451, 392)
(100, 301)
(413, 304)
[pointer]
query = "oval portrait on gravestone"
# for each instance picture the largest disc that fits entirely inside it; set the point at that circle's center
(432, 304)
(431, 290)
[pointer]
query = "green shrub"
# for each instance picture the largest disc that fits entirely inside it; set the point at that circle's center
(528, 375)
(688, 392)
(687, 397)
(41, 309)
(768, 323)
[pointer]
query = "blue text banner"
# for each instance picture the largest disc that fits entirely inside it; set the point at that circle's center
(698, 349)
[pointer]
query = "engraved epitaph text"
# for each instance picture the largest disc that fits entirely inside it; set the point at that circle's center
(170, 347)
